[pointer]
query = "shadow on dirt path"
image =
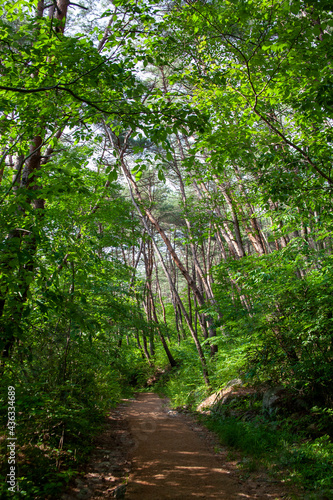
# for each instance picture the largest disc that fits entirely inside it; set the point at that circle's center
(171, 461)
(149, 452)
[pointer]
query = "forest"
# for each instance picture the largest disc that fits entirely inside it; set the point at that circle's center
(166, 213)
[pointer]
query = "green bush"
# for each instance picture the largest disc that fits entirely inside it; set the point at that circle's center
(245, 436)
(184, 385)
(308, 463)
(311, 463)
(285, 334)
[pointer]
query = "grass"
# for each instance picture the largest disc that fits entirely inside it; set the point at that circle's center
(245, 436)
(274, 443)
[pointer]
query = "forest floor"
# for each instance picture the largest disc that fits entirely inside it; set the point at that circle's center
(149, 452)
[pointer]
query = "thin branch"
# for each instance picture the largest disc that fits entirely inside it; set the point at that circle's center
(78, 5)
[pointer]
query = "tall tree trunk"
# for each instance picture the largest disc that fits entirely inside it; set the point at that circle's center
(204, 281)
(132, 186)
(164, 344)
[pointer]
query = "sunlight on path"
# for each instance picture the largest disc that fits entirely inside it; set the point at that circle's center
(170, 461)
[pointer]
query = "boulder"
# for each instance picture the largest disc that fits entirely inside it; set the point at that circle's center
(221, 396)
(273, 398)
(233, 382)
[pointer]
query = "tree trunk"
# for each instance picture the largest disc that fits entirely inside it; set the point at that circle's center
(167, 274)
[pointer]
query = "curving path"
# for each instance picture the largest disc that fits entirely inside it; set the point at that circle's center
(171, 461)
(171, 458)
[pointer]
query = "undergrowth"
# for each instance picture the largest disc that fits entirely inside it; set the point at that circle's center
(56, 424)
(292, 443)
(54, 436)
(280, 445)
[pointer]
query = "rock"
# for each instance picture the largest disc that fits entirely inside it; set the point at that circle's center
(209, 401)
(172, 413)
(272, 398)
(233, 382)
(221, 396)
(119, 492)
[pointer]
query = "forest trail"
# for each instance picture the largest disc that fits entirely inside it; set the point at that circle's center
(149, 452)
(172, 460)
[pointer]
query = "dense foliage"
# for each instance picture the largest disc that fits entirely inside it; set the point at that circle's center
(166, 199)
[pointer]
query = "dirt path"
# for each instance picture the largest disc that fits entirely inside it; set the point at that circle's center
(171, 461)
(149, 452)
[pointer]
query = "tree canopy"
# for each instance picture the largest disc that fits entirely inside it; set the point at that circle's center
(166, 198)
